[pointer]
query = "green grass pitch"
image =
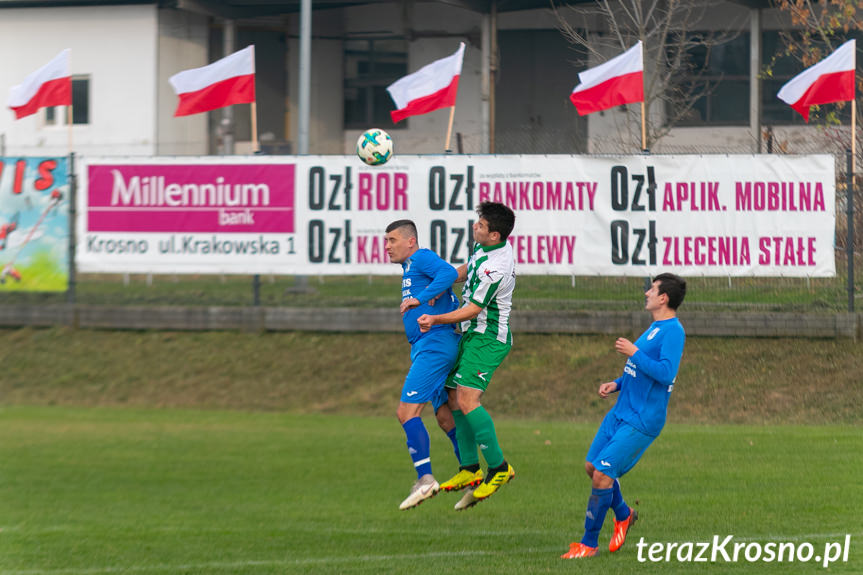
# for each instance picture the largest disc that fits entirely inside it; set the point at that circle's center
(104, 491)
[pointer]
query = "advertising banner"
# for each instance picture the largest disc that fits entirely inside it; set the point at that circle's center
(34, 224)
(766, 215)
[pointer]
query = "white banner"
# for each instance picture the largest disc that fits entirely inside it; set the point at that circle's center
(766, 215)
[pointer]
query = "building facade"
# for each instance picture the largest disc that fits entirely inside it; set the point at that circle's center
(513, 93)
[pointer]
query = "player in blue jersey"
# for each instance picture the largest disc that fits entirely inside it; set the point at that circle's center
(638, 416)
(426, 288)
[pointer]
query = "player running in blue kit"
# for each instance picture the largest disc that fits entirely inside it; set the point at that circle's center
(426, 288)
(638, 416)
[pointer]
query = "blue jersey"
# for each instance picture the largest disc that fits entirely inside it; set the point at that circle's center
(425, 276)
(648, 377)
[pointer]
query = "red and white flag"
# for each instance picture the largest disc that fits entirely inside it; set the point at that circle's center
(431, 87)
(830, 80)
(225, 82)
(619, 81)
(50, 85)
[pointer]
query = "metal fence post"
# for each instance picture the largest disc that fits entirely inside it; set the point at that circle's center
(73, 192)
(849, 248)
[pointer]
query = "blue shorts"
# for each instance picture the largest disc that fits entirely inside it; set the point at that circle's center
(432, 358)
(617, 446)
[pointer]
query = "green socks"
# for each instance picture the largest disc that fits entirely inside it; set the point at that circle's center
(466, 441)
(484, 435)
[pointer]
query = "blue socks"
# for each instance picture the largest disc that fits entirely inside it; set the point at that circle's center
(451, 435)
(618, 505)
(597, 507)
(418, 445)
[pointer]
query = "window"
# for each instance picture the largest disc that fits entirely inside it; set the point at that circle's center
(56, 116)
(718, 80)
(371, 66)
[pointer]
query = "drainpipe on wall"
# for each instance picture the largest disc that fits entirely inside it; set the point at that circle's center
(754, 81)
(305, 76)
(492, 74)
(485, 39)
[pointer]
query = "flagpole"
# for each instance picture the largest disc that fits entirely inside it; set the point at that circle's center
(69, 121)
(70, 118)
(643, 106)
(643, 126)
(854, 134)
(255, 145)
(449, 129)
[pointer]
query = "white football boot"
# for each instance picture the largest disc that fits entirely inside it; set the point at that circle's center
(425, 488)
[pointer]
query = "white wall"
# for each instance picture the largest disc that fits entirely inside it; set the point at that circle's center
(182, 44)
(115, 46)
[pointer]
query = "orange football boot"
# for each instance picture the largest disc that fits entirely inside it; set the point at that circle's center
(620, 530)
(579, 550)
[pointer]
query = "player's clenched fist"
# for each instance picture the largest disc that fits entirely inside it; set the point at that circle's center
(607, 388)
(408, 304)
(425, 322)
(624, 346)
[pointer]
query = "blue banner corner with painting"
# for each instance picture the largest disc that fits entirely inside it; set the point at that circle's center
(34, 224)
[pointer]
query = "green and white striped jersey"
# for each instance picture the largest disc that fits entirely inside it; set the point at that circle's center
(489, 284)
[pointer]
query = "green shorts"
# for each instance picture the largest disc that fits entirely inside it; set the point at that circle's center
(478, 356)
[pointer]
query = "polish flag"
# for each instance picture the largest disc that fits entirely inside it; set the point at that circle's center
(431, 87)
(225, 82)
(619, 81)
(50, 85)
(830, 80)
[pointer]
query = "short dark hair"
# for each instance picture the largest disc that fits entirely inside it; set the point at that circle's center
(673, 286)
(500, 218)
(411, 227)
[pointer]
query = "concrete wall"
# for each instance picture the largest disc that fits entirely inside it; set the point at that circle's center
(115, 46)
(746, 324)
(438, 29)
(326, 122)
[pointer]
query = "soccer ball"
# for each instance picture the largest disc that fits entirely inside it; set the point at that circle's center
(375, 147)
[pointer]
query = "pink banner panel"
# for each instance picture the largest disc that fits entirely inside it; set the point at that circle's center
(171, 198)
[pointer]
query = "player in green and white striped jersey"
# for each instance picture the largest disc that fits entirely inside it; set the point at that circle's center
(485, 343)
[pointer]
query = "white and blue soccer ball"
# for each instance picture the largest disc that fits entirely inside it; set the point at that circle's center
(375, 147)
